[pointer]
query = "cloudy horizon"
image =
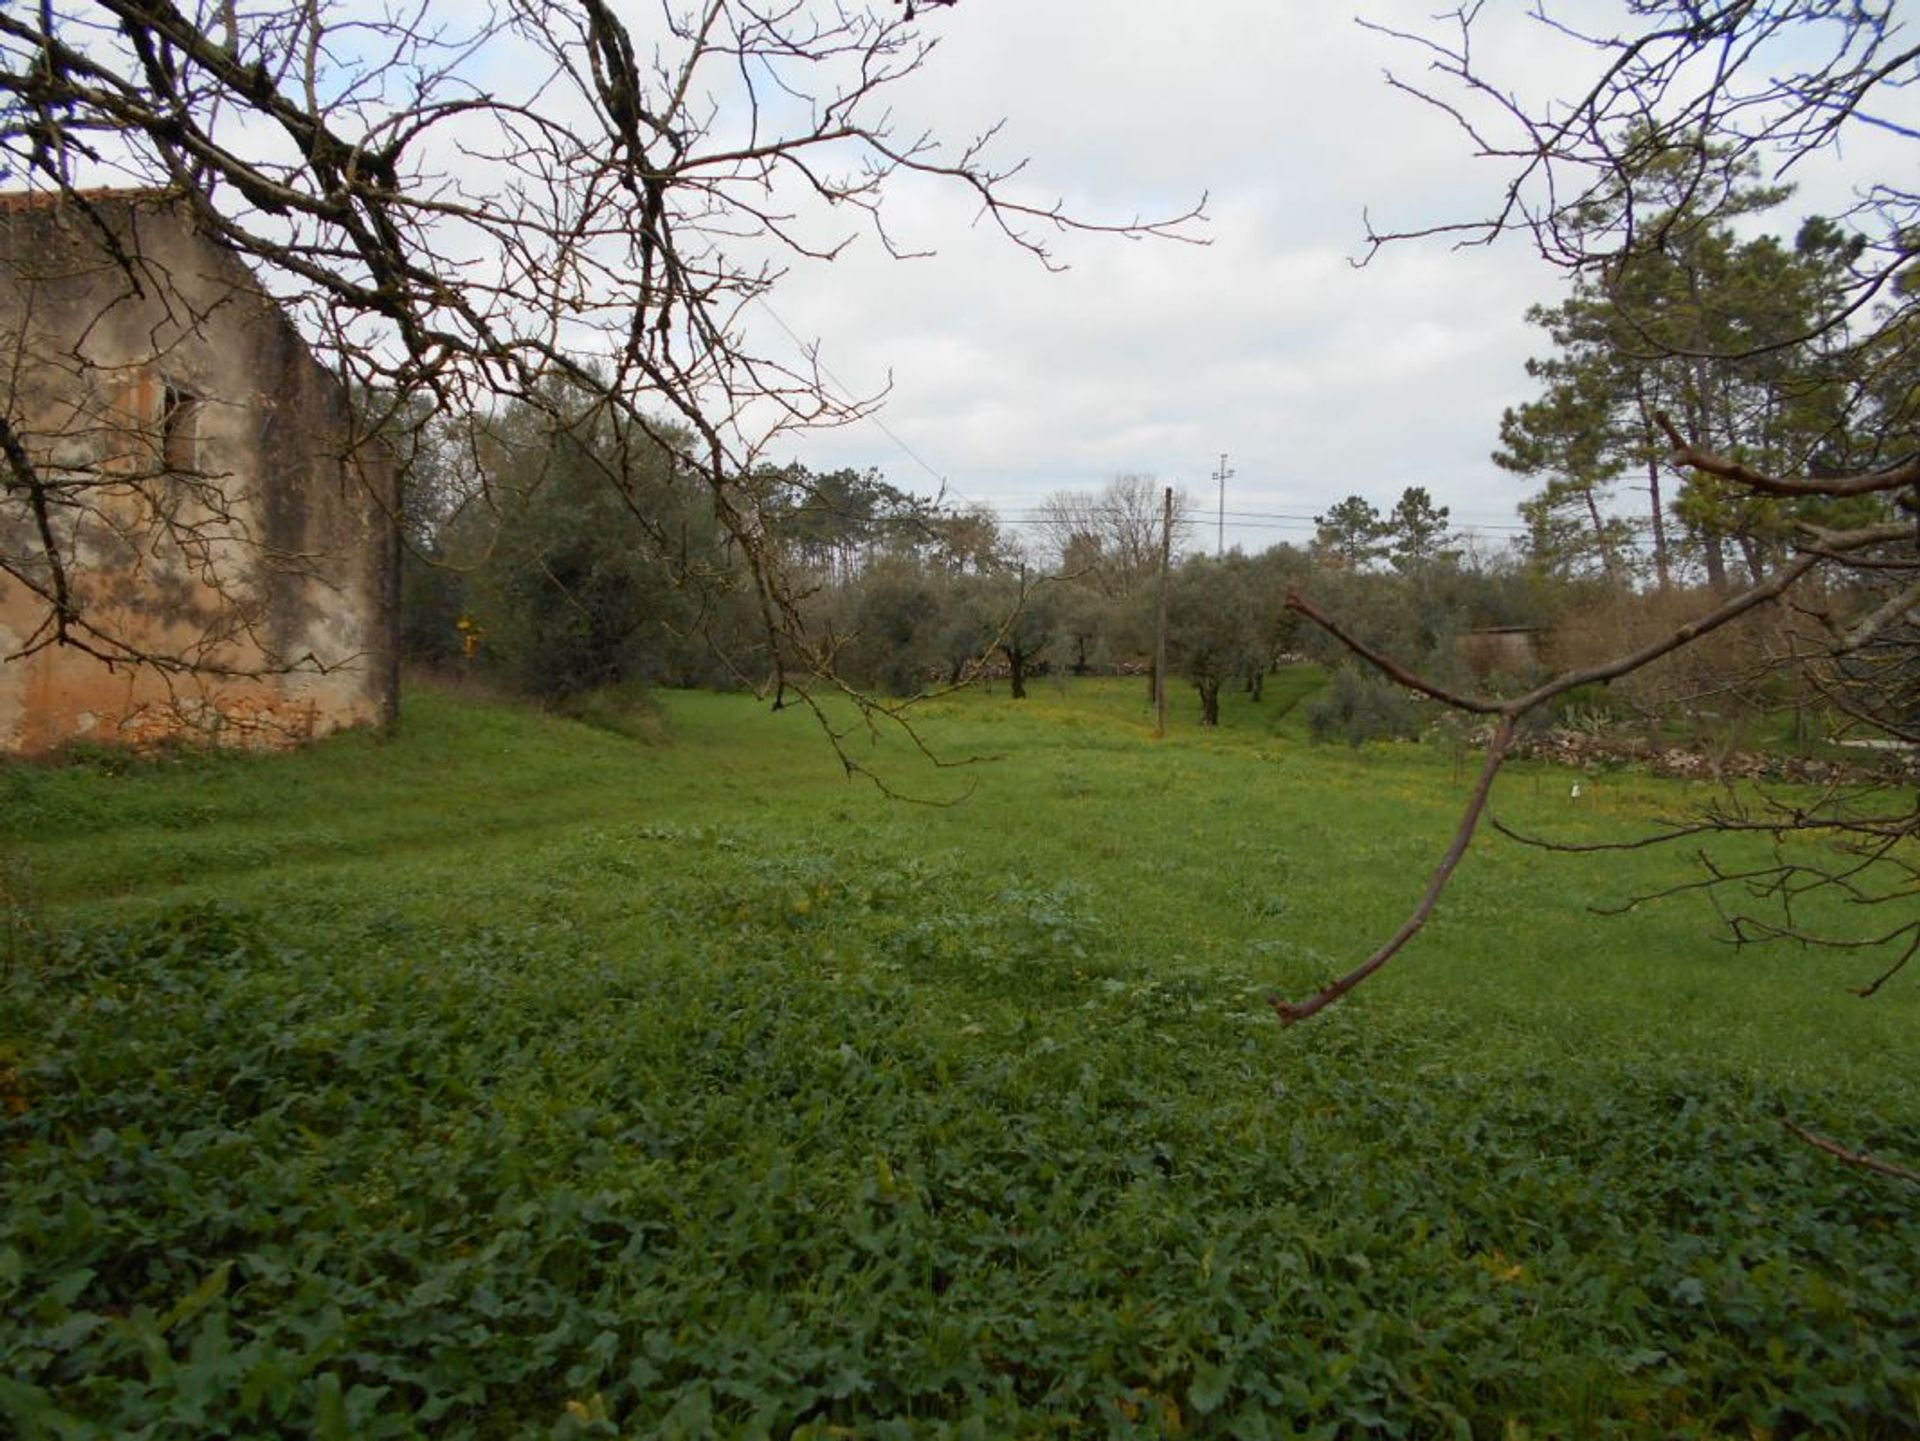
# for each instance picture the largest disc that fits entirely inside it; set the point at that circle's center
(1316, 378)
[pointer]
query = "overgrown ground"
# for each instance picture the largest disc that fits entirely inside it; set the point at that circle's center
(527, 1077)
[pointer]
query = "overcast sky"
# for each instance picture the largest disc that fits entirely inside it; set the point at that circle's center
(1315, 378)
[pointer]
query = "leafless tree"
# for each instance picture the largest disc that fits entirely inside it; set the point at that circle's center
(469, 204)
(1112, 536)
(1686, 99)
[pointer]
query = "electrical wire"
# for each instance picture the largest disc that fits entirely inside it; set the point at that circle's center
(1029, 515)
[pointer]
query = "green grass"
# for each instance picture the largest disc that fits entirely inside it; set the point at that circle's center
(526, 1076)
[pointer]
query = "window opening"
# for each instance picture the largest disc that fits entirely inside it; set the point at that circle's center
(179, 429)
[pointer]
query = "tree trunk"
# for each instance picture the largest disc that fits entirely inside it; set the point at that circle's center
(1712, 542)
(1017, 673)
(1608, 563)
(1662, 571)
(1209, 701)
(1714, 551)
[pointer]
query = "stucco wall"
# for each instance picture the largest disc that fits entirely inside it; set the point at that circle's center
(228, 539)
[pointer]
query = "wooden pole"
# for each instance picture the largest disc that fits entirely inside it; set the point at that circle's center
(1160, 624)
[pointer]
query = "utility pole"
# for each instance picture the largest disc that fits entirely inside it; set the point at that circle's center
(1223, 475)
(1160, 623)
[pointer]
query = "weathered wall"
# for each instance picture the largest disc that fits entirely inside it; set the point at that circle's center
(1510, 650)
(230, 542)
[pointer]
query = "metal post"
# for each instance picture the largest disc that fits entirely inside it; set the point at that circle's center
(1223, 475)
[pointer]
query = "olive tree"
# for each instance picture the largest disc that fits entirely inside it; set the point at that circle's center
(1214, 626)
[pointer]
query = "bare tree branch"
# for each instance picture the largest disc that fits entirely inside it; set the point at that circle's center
(1851, 1157)
(1683, 105)
(470, 210)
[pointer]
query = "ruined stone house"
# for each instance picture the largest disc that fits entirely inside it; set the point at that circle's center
(196, 541)
(1512, 650)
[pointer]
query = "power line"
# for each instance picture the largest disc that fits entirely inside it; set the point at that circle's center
(1243, 519)
(1249, 520)
(846, 397)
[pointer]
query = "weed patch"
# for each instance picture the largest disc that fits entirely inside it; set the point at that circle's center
(630, 1109)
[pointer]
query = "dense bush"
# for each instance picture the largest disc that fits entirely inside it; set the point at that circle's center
(1357, 707)
(557, 553)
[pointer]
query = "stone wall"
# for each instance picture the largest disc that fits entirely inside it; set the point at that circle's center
(227, 536)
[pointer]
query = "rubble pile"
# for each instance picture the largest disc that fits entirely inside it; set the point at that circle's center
(1590, 750)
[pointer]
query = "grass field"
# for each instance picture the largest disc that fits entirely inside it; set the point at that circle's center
(521, 1076)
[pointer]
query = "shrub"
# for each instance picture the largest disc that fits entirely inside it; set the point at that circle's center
(1357, 708)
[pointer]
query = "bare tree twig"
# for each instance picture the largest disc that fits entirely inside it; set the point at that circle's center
(1851, 1157)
